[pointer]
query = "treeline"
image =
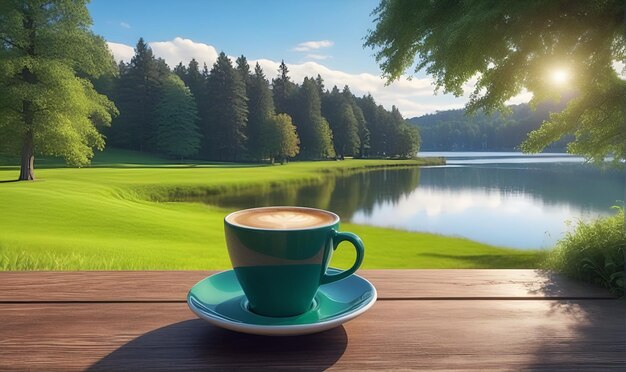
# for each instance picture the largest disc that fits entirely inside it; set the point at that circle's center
(233, 113)
(453, 130)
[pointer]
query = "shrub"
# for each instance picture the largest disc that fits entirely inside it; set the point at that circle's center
(593, 252)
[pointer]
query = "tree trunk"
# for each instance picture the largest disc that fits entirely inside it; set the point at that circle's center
(27, 169)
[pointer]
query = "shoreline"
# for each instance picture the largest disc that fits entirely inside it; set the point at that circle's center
(118, 218)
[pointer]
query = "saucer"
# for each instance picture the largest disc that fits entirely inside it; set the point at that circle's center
(220, 300)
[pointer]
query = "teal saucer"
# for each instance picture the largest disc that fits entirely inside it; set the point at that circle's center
(220, 300)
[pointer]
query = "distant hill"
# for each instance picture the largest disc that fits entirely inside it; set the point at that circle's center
(452, 130)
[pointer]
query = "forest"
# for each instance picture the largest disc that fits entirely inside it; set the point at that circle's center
(232, 112)
(455, 130)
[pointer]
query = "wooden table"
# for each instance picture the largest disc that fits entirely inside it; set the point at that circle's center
(424, 319)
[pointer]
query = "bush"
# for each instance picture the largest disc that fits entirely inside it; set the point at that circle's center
(593, 252)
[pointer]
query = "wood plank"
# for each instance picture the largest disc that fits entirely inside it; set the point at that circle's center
(427, 334)
(111, 286)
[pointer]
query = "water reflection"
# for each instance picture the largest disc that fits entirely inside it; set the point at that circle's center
(515, 205)
(345, 196)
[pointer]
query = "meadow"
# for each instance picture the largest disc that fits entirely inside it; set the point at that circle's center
(119, 214)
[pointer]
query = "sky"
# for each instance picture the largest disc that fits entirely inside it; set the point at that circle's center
(313, 37)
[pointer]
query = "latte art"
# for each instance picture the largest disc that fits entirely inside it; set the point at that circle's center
(281, 218)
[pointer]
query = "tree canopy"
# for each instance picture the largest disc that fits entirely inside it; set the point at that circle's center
(509, 46)
(176, 120)
(48, 104)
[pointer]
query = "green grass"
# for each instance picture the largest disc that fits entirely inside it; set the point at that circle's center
(593, 252)
(116, 215)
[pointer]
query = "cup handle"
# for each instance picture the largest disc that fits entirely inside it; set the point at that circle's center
(339, 237)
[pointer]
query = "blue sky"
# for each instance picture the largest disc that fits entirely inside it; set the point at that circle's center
(259, 29)
(313, 37)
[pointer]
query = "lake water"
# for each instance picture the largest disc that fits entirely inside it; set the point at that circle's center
(505, 199)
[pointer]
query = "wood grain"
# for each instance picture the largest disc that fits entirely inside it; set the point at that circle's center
(164, 286)
(407, 334)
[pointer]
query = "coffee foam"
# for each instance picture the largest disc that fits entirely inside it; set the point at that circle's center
(281, 218)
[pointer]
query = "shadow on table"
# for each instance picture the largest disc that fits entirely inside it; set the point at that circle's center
(491, 261)
(195, 344)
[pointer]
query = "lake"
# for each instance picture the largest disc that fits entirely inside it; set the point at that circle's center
(505, 199)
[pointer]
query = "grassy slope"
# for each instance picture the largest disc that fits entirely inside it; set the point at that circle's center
(109, 217)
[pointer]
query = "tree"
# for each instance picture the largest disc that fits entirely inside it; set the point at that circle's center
(228, 111)
(243, 68)
(362, 132)
(376, 119)
(48, 106)
(181, 71)
(346, 138)
(138, 94)
(403, 138)
(313, 129)
(280, 140)
(176, 120)
(260, 111)
(283, 89)
(510, 46)
(196, 81)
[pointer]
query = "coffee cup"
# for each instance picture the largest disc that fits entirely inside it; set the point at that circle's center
(280, 256)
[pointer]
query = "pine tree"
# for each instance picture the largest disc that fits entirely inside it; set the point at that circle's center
(196, 81)
(284, 90)
(375, 118)
(403, 139)
(243, 69)
(181, 71)
(228, 111)
(176, 119)
(260, 110)
(320, 85)
(346, 138)
(138, 94)
(362, 131)
(313, 130)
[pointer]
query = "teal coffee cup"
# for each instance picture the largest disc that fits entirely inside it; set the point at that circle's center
(280, 256)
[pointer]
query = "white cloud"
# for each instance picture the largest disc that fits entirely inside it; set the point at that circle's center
(318, 56)
(121, 52)
(179, 49)
(311, 45)
(124, 25)
(414, 97)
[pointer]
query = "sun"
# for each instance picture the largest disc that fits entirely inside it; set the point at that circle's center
(559, 76)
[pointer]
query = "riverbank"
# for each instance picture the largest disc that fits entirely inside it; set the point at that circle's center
(116, 215)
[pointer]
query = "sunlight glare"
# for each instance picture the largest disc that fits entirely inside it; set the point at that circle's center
(559, 76)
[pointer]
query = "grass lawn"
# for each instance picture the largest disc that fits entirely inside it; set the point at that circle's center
(116, 215)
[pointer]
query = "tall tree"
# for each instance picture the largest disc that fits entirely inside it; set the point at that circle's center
(511, 46)
(337, 109)
(346, 138)
(260, 110)
(176, 119)
(196, 81)
(376, 124)
(362, 131)
(403, 139)
(313, 130)
(243, 68)
(138, 93)
(320, 85)
(181, 71)
(284, 90)
(48, 106)
(228, 111)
